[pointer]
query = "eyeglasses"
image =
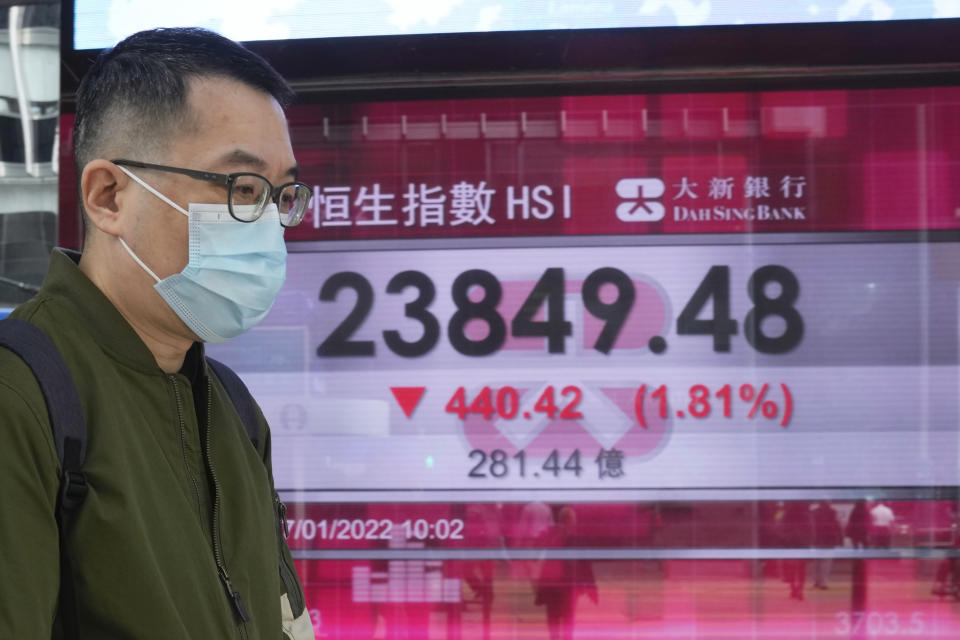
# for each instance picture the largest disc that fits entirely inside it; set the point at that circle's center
(248, 194)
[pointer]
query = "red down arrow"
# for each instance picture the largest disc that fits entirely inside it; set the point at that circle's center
(408, 398)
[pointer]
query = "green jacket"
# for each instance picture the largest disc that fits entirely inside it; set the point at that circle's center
(174, 486)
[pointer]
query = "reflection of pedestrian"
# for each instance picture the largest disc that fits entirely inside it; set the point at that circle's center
(483, 530)
(858, 525)
(771, 514)
(827, 534)
(947, 578)
(857, 528)
(797, 532)
(768, 536)
(534, 522)
(948, 571)
(561, 581)
(881, 525)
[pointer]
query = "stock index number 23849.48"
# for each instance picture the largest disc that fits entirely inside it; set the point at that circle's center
(549, 294)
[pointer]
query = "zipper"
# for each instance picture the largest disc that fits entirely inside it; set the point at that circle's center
(183, 448)
(287, 574)
(282, 513)
(235, 598)
(297, 604)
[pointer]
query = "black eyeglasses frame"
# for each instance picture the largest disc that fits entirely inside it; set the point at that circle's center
(227, 180)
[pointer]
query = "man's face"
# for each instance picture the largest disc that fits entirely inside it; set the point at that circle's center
(232, 127)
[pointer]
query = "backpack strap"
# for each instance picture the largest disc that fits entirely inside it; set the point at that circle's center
(69, 437)
(60, 393)
(240, 397)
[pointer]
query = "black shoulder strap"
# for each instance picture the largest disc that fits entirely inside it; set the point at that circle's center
(240, 397)
(69, 436)
(60, 393)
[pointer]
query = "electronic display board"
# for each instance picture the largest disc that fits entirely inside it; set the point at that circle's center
(757, 276)
(103, 23)
(603, 366)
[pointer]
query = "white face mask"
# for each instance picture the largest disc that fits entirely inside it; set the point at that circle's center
(234, 272)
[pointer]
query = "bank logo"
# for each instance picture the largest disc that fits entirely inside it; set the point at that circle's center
(640, 200)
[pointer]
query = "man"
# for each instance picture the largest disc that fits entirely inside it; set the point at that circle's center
(177, 536)
(827, 534)
(881, 526)
(797, 533)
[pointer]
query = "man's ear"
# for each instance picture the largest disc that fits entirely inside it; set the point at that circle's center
(103, 187)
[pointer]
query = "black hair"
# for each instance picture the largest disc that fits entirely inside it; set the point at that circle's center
(139, 87)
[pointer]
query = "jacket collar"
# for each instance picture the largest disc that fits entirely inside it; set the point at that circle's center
(65, 282)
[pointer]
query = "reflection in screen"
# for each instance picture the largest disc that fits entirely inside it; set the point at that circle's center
(770, 570)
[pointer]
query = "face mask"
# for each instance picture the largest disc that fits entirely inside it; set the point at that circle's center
(234, 273)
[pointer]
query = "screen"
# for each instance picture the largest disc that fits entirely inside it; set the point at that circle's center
(103, 23)
(622, 366)
(625, 366)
